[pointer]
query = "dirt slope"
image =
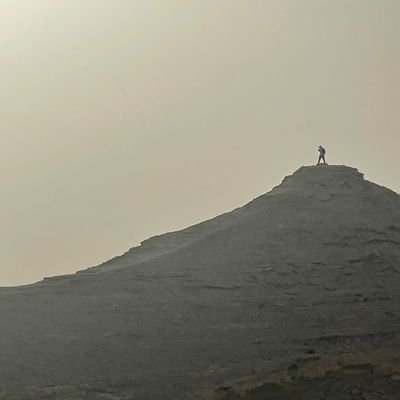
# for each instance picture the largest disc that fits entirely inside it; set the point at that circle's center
(304, 278)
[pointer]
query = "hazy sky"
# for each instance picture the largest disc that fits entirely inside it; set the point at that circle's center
(122, 119)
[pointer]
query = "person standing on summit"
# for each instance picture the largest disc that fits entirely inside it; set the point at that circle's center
(321, 155)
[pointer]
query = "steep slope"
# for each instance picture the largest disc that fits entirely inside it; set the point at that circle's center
(304, 278)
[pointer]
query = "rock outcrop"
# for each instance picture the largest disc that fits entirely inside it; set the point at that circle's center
(294, 295)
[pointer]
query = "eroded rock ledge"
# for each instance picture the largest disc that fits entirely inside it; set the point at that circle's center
(372, 375)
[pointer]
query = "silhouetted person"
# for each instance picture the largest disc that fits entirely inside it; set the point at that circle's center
(321, 155)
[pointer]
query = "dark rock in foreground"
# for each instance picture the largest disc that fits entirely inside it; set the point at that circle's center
(293, 296)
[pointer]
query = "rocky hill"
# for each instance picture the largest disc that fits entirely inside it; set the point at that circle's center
(292, 296)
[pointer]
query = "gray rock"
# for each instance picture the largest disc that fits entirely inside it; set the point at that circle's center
(313, 264)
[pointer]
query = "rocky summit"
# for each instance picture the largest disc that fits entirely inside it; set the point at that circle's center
(292, 296)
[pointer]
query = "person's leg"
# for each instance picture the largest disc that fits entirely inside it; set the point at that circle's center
(323, 158)
(319, 159)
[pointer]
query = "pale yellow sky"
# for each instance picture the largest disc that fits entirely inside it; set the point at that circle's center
(124, 119)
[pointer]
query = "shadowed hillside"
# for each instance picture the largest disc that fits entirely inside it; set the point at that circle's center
(292, 296)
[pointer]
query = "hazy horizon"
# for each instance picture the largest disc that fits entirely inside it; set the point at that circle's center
(126, 119)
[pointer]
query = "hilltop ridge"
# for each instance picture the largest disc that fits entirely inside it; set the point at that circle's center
(322, 183)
